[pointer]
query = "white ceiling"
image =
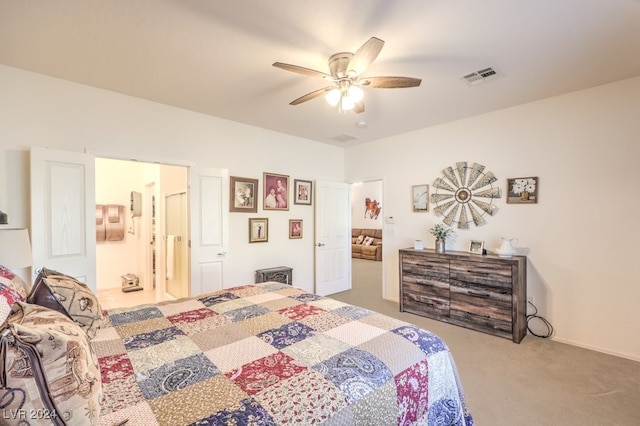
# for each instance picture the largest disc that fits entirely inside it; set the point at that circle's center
(215, 56)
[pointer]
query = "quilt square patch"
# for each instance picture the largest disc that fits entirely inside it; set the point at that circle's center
(191, 316)
(355, 372)
(299, 311)
(428, 342)
(176, 375)
(249, 413)
(413, 392)
(287, 334)
(306, 297)
(353, 312)
(115, 367)
(234, 355)
(216, 298)
(315, 349)
(126, 317)
(265, 372)
(304, 399)
(144, 340)
(246, 312)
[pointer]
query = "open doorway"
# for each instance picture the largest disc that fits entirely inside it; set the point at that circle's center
(131, 267)
(367, 236)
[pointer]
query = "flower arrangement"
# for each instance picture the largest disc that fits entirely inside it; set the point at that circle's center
(441, 231)
(523, 185)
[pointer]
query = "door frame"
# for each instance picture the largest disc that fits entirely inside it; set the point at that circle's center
(385, 233)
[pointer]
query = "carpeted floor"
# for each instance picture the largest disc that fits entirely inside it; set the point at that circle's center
(536, 382)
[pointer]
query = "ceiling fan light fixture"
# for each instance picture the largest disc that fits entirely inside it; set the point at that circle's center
(355, 94)
(333, 97)
(346, 103)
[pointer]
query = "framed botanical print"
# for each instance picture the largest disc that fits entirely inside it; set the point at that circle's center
(276, 192)
(302, 191)
(259, 230)
(420, 198)
(522, 190)
(295, 228)
(243, 194)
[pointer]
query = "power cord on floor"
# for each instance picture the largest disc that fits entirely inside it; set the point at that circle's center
(544, 321)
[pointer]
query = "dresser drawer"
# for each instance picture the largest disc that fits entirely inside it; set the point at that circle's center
(483, 301)
(482, 323)
(489, 274)
(433, 302)
(420, 266)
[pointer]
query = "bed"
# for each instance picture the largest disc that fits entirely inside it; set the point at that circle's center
(269, 354)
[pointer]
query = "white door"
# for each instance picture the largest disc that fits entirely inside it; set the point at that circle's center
(209, 212)
(332, 237)
(63, 213)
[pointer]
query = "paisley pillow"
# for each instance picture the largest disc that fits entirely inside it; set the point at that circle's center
(69, 296)
(48, 368)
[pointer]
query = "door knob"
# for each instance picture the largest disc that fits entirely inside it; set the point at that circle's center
(320, 245)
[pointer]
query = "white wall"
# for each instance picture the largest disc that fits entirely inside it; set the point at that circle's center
(359, 193)
(581, 238)
(37, 110)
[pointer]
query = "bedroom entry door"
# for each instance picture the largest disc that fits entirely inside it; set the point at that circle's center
(209, 228)
(63, 203)
(332, 237)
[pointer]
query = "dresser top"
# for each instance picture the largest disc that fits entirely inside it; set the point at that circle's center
(459, 254)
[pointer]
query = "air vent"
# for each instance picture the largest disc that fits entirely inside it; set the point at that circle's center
(344, 138)
(478, 77)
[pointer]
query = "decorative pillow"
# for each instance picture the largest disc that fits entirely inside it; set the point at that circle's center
(69, 296)
(12, 289)
(49, 368)
(360, 239)
(368, 241)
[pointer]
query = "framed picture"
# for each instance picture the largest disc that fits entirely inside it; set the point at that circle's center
(476, 247)
(243, 194)
(522, 190)
(302, 191)
(295, 228)
(276, 192)
(258, 230)
(420, 198)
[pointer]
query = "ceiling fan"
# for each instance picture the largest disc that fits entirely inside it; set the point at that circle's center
(345, 71)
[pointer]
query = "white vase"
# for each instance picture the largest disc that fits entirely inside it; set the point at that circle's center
(506, 248)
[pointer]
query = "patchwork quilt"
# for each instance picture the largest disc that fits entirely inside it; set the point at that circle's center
(272, 354)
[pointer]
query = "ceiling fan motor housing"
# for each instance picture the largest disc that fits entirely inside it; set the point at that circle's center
(338, 64)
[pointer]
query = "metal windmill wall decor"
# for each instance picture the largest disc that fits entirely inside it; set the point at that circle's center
(465, 194)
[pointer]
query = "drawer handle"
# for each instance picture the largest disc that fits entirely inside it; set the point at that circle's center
(477, 272)
(473, 293)
(476, 315)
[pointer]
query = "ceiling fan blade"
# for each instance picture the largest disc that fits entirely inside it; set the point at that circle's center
(311, 95)
(302, 70)
(389, 82)
(364, 56)
(359, 107)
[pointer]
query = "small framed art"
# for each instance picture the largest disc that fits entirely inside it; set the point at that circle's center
(243, 194)
(295, 228)
(522, 190)
(258, 230)
(276, 192)
(302, 191)
(420, 198)
(476, 247)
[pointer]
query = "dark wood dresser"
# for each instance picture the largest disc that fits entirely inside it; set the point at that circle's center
(486, 293)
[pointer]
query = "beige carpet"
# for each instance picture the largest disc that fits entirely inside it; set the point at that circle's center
(536, 382)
